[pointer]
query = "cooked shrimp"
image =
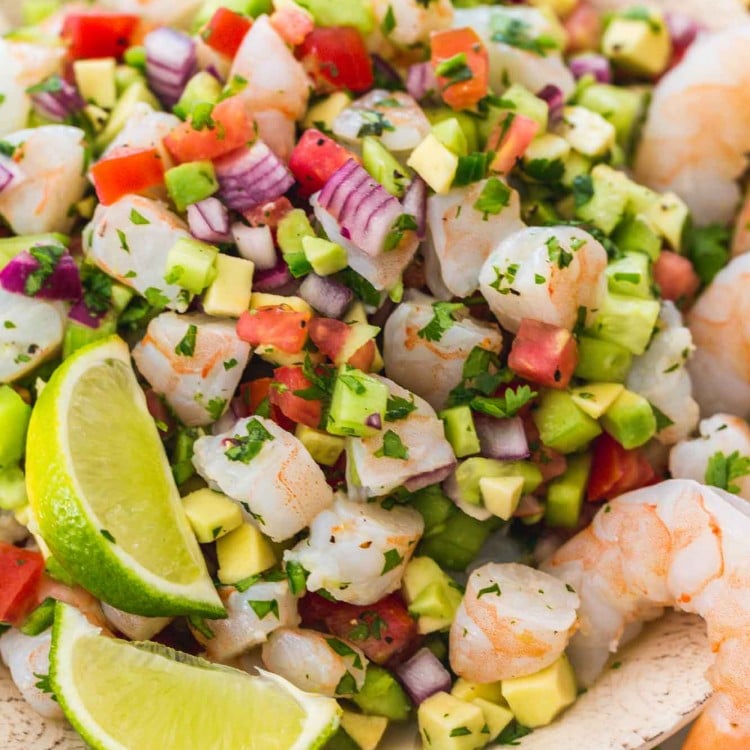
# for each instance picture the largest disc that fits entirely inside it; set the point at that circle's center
(660, 375)
(676, 544)
(136, 254)
(281, 489)
(315, 663)
(11, 532)
(720, 324)
(512, 621)
(714, 15)
(358, 551)
(198, 382)
(708, 92)
(432, 369)
(414, 20)
(135, 627)
(723, 434)
(163, 12)
(51, 159)
(546, 274)
(277, 131)
(252, 615)
(461, 238)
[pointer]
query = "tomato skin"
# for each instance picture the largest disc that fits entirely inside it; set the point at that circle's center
(93, 35)
(330, 336)
(615, 470)
(314, 159)
(284, 329)
(336, 58)
(544, 354)
(298, 409)
(225, 31)
(269, 214)
(584, 28)
(234, 127)
(127, 172)
(20, 572)
(448, 44)
(510, 141)
(675, 276)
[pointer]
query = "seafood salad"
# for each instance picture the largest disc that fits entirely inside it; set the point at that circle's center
(369, 362)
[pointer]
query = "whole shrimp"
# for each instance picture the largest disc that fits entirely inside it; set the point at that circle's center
(678, 544)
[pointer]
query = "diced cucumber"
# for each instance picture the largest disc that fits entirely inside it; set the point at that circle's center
(12, 488)
(562, 425)
(623, 107)
(96, 81)
(450, 133)
(384, 166)
(520, 100)
(630, 420)
(324, 256)
(460, 431)
(357, 398)
(627, 321)
(466, 121)
(191, 182)
(125, 75)
(471, 471)
(12, 246)
(630, 275)
(602, 361)
(291, 229)
(458, 542)
(202, 88)
(635, 234)
(565, 493)
(191, 264)
(596, 398)
(607, 205)
(381, 695)
(14, 418)
(78, 335)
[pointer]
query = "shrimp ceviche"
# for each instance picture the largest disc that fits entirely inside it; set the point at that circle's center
(369, 361)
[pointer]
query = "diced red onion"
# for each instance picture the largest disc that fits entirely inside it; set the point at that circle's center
(386, 75)
(363, 208)
(171, 60)
(60, 104)
(591, 64)
(415, 203)
(273, 279)
(327, 296)
(423, 675)
(682, 29)
(255, 244)
(209, 221)
(504, 439)
(555, 99)
(252, 175)
(420, 481)
(528, 507)
(63, 284)
(239, 407)
(375, 421)
(80, 313)
(8, 172)
(421, 80)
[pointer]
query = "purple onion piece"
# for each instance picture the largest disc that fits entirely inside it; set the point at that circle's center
(58, 102)
(386, 76)
(415, 203)
(171, 60)
(504, 439)
(64, 283)
(421, 80)
(327, 296)
(682, 29)
(420, 481)
(272, 280)
(423, 675)
(591, 64)
(209, 221)
(555, 99)
(7, 173)
(80, 313)
(375, 421)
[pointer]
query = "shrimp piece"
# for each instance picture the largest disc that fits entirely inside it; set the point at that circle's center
(544, 273)
(135, 627)
(252, 615)
(459, 243)
(358, 551)
(676, 544)
(26, 657)
(432, 369)
(199, 383)
(315, 663)
(708, 92)
(660, 376)
(513, 621)
(277, 131)
(722, 433)
(76, 596)
(720, 324)
(414, 20)
(136, 254)
(11, 532)
(281, 489)
(51, 159)
(163, 12)
(715, 15)
(31, 332)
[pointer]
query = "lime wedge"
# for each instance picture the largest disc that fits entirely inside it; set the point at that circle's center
(125, 696)
(102, 491)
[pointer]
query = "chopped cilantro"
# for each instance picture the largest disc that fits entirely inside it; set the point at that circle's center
(107, 535)
(405, 222)
(398, 408)
(442, 320)
(389, 22)
(230, 364)
(507, 405)
(460, 732)
(545, 170)
(136, 218)
(494, 197)
(455, 70)
(97, 289)
(373, 123)
(47, 256)
(583, 189)
(556, 253)
(392, 560)
(392, 447)
(123, 240)
(708, 249)
(722, 470)
(244, 448)
(216, 407)
(156, 298)
(347, 685)
(297, 577)
(186, 346)
(494, 589)
(263, 608)
(517, 33)
(504, 279)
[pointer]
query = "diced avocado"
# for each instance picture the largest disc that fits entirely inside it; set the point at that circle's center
(447, 723)
(357, 397)
(669, 216)
(384, 166)
(135, 93)
(457, 543)
(12, 488)
(435, 508)
(324, 256)
(596, 398)
(229, 294)
(325, 111)
(191, 182)
(562, 425)
(434, 163)
(639, 44)
(355, 13)
(12, 246)
(366, 731)
(121, 297)
(381, 695)
(242, 553)
(14, 417)
(77, 335)
(576, 165)
(450, 133)
(496, 717)
(96, 81)
(324, 448)
(538, 698)
(586, 131)
(191, 264)
(543, 153)
(627, 321)
(565, 493)
(262, 301)
(501, 495)
(125, 75)
(439, 600)
(623, 107)
(635, 234)
(630, 275)
(211, 514)
(602, 360)
(291, 230)
(419, 573)
(520, 100)
(35, 11)
(630, 420)
(202, 88)
(430, 593)
(471, 471)
(465, 120)
(640, 198)
(460, 431)
(606, 206)
(470, 691)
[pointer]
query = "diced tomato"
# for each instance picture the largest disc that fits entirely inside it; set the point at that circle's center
(255, 392)
(20, 573)
(460, 49)
(127, 172)
(287, 380)
(336, 58)
(544, 354)
(330, 336)
(92, 35)
(615, 470)
(675, 276)
(284, 329)
(225, 31)
(549, 462)
(269, 214)
(232, 128)
(510, 139)
(584, 28)
(314, 159)
(382, 630)
(292, 24)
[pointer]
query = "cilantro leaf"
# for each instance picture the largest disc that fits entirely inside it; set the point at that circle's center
(244, 448)
(517, 33)
(392, 447)
(186, 346)
(443, 319)
(398, 408)
(708, 249)
(392, 560)
(556, 253)
(373, 123)
(297, 576)
(97, 289)
(507, 405)
(47, 256)
(722, 470)
(583, 189)
(264, 608)
(495, 196)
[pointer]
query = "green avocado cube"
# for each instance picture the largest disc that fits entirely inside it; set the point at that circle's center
(14, 418)
(602, 361)
(596, 398)
(357, 398)
(471, 691)
(630, 275)
(565, 493)
(467, 122)
(325, 111)
(635, 234)
(436, 600)
(419, 573)
(669, 215)
(202, 88)
(211, 514)
(191, 182)
(96, 81)
(638, 41)
(520, 100)
(434, 163)
(191, 264)
(621, 106)
(627, 321)
(630, 420)
(447, 723)
(381, 695)
(501, 495)
(460, 431)
(496, 718)
(384, 166)
(366, 731)
(324, 448)
(12, 246)
(324, 256)
(562, 425)
(450, 133)
(230, 292)
(135, 93)
(12, 488)
(470, 472)
(292, 228)
(587, 132)
(242, 553)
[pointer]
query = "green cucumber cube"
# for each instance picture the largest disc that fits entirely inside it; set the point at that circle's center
(602, 361)
(96, 81)
(12, 246)
(630, 275)
(12, 488)
(381, 695)
(635, 234)
(384, 166)
(565, 493)
(630, 420)
(606, 206)
(356, 398)
(191, 264)
(78, 335)
(623, 107)
(460, 431)
(562, 425)
(191, 182)
(467, 122)
(324, 256)
(627, 321)
(202, 88)
(520, 100)
(471, 471)
(458, 542)
(14, 417)
(291, 230)
(450, 133)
